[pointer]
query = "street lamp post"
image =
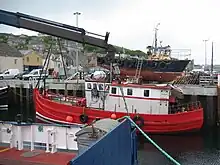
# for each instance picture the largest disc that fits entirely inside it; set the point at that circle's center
(205, 41)
(77, 14)
(77, 51)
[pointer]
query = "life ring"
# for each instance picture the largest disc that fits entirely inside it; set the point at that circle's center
(152, 64)
(162, 65)
(83, 118)
(139, 121)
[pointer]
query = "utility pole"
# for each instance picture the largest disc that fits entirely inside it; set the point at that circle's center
(212, 59)
(205, 41)
(77, 50)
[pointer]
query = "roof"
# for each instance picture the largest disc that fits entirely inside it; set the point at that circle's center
(6, 50)
(29, 52)
(25, 52)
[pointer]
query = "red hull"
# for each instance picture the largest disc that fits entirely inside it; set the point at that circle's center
(150, 75)
(13, 156)
(51, 111)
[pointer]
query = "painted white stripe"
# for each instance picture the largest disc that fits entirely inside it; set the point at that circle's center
(58, 121)
(2, 88)
(3, 109)
(4, 106)
(44, 120)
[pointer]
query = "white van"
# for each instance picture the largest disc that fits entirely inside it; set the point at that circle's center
(9, 74)
(35, 73)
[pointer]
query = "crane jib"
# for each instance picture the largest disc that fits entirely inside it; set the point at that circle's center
(57, 29)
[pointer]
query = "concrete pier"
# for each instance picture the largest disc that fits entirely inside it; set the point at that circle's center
(209, 90)
(50, 84)
(208, 96)
(21, 96)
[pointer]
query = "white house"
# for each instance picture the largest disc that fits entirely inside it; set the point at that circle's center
(10, 58)
(54, 62)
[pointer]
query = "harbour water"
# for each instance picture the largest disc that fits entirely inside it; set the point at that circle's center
(192, 149)
(197, 149)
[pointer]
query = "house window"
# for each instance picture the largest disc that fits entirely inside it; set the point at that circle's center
(146, 93)
(27, 59)
(15, 61)
(113, 90)
(58, 65)
(37, 59)
(129, 91)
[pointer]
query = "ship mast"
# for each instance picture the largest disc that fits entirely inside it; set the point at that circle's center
(155, 38)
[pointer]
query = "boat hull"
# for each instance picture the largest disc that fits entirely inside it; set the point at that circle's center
(151, 76)
(50, 111)
(151, 70)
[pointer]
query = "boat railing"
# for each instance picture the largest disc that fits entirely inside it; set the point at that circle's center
(64, 98)
(62, 80)
(38, 136)
(191, 106)
(181, 54)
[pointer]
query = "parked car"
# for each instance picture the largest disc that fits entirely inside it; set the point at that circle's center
(9, 74)
(19, 75)
(35, 74)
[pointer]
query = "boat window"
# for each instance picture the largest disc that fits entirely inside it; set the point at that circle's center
(146, 93)
(113, 90)
(129, 91)
(94, 86)
(101, 87)
(89, 86)
(106, 87)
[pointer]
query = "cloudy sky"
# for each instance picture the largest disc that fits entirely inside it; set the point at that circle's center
(184, 24)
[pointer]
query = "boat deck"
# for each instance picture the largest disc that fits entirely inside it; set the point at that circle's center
(37, 157)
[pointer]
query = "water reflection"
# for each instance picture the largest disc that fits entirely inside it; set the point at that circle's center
(199, 149)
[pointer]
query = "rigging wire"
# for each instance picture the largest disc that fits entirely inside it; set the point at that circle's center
(45, 62)
(60, 49)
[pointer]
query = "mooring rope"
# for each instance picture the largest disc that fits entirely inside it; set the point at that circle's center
(151, 141)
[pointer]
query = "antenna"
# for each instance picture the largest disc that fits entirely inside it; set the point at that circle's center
(155, 37)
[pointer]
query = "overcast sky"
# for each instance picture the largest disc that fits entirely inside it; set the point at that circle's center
(184, 24)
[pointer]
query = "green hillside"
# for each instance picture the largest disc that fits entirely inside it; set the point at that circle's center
(25, 42)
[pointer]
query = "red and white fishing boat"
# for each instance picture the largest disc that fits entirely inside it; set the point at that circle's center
(153, 107)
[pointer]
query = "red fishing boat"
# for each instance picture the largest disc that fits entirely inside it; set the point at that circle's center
(153, 107)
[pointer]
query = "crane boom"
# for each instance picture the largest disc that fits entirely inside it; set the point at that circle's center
(57, 29)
